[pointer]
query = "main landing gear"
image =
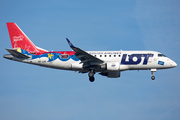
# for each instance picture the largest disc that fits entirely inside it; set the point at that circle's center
(152, 72)
(91, 76)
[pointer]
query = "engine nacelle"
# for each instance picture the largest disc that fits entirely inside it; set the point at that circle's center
(111, 66)
(111, 74)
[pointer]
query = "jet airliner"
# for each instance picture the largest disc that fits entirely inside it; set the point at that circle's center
(106, 63)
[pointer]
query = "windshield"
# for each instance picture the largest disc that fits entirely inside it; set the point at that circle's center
(161, 55)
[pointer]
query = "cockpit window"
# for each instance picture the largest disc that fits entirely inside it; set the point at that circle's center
(161, 55)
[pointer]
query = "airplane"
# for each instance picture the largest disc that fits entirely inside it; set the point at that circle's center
(106, 63)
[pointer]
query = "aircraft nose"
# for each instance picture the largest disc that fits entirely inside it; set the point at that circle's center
(173, 64)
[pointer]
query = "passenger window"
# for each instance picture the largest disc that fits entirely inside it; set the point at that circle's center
(119, 55)
(100, 55)
(109, 55)
(114, 55)
(64, 56)
(104, 55)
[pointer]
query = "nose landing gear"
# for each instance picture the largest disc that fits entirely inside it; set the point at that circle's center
(152, 72)
(91, 76)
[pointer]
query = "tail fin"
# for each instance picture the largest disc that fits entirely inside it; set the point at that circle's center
(20, 40)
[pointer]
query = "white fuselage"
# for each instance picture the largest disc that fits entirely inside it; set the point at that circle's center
(115, 60)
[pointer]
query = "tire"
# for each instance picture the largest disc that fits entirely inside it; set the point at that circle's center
(91, 79)
(153, 78)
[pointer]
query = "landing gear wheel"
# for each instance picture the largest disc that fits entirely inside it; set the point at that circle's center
(152, 77)
(91, 75)
(91, 79)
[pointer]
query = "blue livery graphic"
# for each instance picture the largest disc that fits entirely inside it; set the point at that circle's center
(138, 56)
(160, 62)
(52, 56)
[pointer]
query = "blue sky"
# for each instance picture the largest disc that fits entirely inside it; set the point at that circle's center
(35, 93)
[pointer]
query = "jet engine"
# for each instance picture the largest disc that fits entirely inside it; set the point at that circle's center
(110, 74)
(111, 66)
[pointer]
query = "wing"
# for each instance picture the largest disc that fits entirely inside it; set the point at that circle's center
(85, 57)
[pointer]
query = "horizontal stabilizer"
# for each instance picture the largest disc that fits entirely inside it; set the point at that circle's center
(17, 54)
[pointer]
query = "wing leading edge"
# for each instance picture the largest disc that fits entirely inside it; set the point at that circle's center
(85, 57)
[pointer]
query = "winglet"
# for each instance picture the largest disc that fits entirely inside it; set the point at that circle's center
(70, 44)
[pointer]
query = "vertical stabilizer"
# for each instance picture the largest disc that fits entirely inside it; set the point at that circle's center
(20, 40)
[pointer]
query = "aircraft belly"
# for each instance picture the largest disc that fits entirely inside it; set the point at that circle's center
(61, 64)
